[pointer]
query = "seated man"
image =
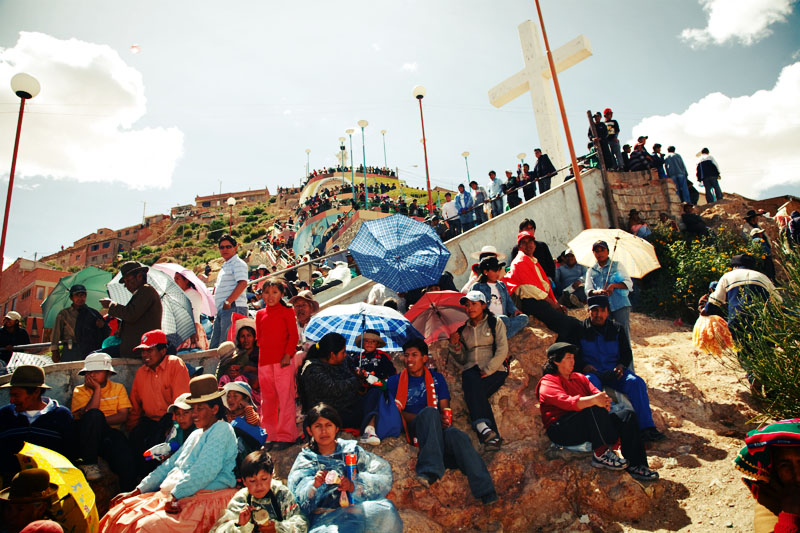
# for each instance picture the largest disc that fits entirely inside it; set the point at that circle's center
(157, 383)
(481, 347)
(423, 399)
(100, 407)
(693, 223)
(569, 281)
(605, 354)
(32, 417)
(12, 334)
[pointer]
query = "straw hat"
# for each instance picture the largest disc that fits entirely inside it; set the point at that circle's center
(308, 296)
(487, 251)
(204, 389)
(28, 486)
(27, 376)
(370, 335)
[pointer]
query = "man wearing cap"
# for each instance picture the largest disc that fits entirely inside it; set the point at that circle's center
(495, 191)
(32, 417)
(605, 355)
(543, 171)
(142, 312)
(529, 282)
(676, 171)
(340, 255)
(12, 334)
(570, 276)
(99, 408)
(613, 139)
(79, 328)
(160, 380)
(611, 279)
(480, 346)
(305, 306)
(229, 292)
(602, 139)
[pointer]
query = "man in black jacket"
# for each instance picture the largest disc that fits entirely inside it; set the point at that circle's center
(543, 171)
(12, 334)
(602, 138)
(79, 329)
(708, 174)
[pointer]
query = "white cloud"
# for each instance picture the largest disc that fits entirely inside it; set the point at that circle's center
(410, 67)
(746, 21)
(376, 47)
(753, 137)
(81, 124)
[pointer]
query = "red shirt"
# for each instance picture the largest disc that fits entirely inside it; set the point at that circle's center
(526, 270)
(155, 390)
(559, 396)
(276, 333)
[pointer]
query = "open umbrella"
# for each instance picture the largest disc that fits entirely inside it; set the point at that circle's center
(92, 278)
(352, 319)
(437, 314)
(634, 253)
(399, 252)
(209, 308)
(177, 320)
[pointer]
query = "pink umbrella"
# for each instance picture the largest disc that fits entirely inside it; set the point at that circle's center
(437, 314)
(209, 308)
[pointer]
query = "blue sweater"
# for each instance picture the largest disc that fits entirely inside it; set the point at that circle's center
(52, 430)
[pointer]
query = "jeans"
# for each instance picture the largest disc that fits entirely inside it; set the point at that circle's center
(477, 391)
(634, 388)
(480, 216)
(617, 162)
(682, 185)
(595, 424)
(713, 190)
(449, 448)
(514, 324)
(97, 438)
(544, 184)
(222, 324)
(497, 207)
(622, 316)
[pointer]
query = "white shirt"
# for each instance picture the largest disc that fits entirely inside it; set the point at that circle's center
(449, 210)
(496, 305)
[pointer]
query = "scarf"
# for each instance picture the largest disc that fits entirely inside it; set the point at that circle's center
(401, 398)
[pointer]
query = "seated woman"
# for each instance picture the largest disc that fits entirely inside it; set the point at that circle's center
(190, 490)
(574, 411)
(496, 293)
(770, 462)
(242, 363)
(326, 494)
(637, 226)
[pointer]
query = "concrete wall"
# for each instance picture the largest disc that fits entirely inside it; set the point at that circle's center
(558, 219)
(63, 377)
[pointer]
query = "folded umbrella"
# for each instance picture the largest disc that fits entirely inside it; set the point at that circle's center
(634, 253)
(438, 314)
(92, 278)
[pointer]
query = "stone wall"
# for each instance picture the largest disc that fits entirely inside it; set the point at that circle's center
(644, 191)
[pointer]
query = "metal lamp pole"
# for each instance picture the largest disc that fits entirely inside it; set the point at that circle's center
(349, 132)
(385, 164)
(308, 168)
(25, 86)
(419, 94)
(363, 124)
(342, 150)
(231, 202)
(465, 155)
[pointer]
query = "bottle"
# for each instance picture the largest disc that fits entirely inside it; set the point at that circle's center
(159, 452)
(351, 472)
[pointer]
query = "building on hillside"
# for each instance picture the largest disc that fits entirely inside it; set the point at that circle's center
(26, 284)
(182, 211)
(220, 200)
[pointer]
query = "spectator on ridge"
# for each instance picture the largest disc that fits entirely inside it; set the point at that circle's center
(495, 192)
(479, 197)
(676, 171)
(450, 214)
(543, 171)
(708, 175)
(613, 140)
(464, 207)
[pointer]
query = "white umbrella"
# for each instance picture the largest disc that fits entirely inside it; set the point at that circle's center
(634, 253)
(209, 308)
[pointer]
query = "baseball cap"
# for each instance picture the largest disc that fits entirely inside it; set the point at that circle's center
(13, 315)
(607, 110)
(599, 300)
(473, 296)
(151, 339)
(604, 244)
(523, 234)
(77, 289)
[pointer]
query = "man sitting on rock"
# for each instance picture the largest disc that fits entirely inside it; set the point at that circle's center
(605, 354)
(100, 407)
(157, 383)
(481, 347)
(423, 399)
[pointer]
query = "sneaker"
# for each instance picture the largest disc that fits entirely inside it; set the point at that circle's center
(574, 300)
(490, 439)
(609, 460)
(369, 437)
(652, 435)
(642, 473)
(92, 472)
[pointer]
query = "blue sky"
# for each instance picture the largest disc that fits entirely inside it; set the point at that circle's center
(237, 93)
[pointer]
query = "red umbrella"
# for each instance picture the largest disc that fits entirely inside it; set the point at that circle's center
(438, 314)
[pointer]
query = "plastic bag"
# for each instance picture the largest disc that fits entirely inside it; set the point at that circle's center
(711, 335)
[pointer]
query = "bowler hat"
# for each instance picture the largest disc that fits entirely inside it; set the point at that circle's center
(131, 267)
(27, 376)
(28, 486)
(751, 213)
(204, 389)
(560, 347)
(491, 263)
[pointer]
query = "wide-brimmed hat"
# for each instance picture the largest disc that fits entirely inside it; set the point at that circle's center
(77, 289)
(242, 387)
(226, 349)
(752, 213)
(486, 251)
(246, 322)
(262, 266)
(308, 296)
(13, 315)
(130, 267)
(180, 403)
(370, 335)
(97, 361)
(204, 389)
(756, 231)
(151, 339)
(31, 485)
(27, 376)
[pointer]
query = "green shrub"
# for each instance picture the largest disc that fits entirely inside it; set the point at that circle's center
(272, 199)
(213, 236)
(251, 218)
(179, 230)
(257, 210)
(244, 212)
(216, 224)
(145, 250)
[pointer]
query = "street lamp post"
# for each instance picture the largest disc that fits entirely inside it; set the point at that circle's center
(465, 155)
(231, 202)
(419, 94)
(349, 131)
(522, 157)
(383, 134)
(344, 152)
(308, 159)
(24, 86)
(363, 124)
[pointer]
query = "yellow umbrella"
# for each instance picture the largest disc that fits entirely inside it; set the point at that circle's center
(75, 509)
(634, 253)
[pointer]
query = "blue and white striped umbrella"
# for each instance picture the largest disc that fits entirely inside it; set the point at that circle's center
(177, 319)
(352, 319)
(399, 252)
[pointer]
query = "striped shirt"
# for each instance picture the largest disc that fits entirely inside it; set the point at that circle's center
(233, 271)
(738, 286)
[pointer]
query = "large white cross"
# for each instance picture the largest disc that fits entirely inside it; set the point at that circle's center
(535, 78)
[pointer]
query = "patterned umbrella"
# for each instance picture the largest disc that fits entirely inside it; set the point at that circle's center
(399, 252)
(177, 320)
(209, 308)
(92, 278)
(352, 319)
(438, 314)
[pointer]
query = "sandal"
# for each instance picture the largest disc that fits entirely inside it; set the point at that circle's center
(490, 439)
(609, 460)
(642, 473)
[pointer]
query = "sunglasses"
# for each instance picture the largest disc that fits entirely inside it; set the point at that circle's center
(225, 246)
